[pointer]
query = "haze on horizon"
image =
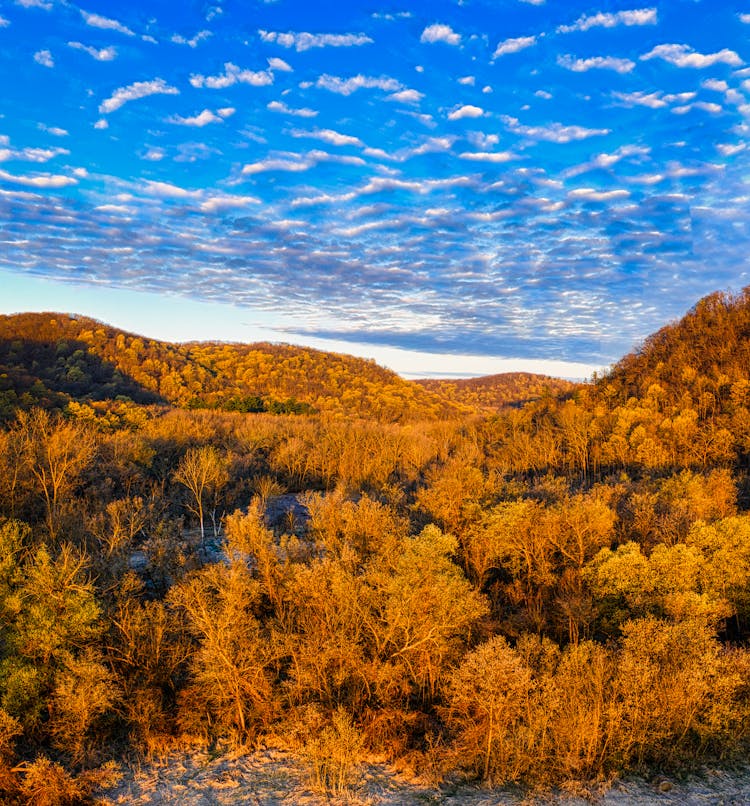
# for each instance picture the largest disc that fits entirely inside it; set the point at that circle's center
(475, 182)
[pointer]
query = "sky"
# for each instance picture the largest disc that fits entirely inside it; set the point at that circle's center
(451, 188)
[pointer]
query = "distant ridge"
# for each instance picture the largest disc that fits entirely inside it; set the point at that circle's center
(498, 392)
(46, 358)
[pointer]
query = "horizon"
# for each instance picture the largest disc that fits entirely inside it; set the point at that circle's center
(450, 190)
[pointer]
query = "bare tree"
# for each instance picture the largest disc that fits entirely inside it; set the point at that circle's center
(204, 472)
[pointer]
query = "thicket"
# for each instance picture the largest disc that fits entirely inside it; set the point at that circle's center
(560, 592)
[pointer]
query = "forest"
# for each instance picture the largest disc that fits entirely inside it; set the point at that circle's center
(226, 545)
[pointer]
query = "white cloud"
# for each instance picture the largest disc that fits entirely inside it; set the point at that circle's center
(543, 94)
(468, 81)
(214, 204)
(39, 180)
(513, 45)
(482, 141)
(406, 97)
(279, 106)
(44, 57)
(745, 18)
(101, 55)
(202, 119)
(685, 56)
(3, 22)
(274, 63)
(31, 154)
(34, 4)
(488, 156)
(192, 43)
(715, 84)
(640, 16)
(233, 75)
(303, 40)
(730, 149)
(55, 131)
(596, 63)
(653, 100)
(346, 86)
(166, 190)
(97, 21)
(440, 33)
(466, 111)
(329, 136)
(591, 194)
(277, 164)
(154, 154)
(704, 106)
(101, 124)
(139, 89)
(554, 132)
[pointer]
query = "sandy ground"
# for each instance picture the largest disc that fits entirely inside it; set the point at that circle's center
(272, 777)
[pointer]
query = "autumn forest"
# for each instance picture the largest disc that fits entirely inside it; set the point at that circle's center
(509, 579)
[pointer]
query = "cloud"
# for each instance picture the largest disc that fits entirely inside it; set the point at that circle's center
(653, 100)
(202, 119)
(302, 41)
(3, 22)
(329, 136)
(466, 111)
(596, 63)
(45, 6)
(31, 154)
(154, 154)
(279, 106)
(217, 203)
(293, 165)
(232, 75)
(274, 63)
(513, 45)
(745, 18)
(97, 21)
(166, 190)
(467, 81)
(44, 57)
(554, 132)
(440, 33)
(590, 194)
(55, 131)
(192, 43)
(685, 56)
(488, 156)
(406, 97)
(132, 92)
(607, 160)
(346, 86)
(641, 16)
(704, 106)
(101, 124)
(101, 55)
(39, 180)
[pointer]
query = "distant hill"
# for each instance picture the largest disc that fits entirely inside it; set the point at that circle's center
(498, 392)
(48, 358)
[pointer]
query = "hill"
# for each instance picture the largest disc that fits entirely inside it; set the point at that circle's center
(498, 392)
(48, 358)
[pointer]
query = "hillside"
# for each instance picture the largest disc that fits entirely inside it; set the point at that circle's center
(47, 358)
(498, 392)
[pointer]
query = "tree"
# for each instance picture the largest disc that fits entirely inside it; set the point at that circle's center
(204, 472)
(56, 453)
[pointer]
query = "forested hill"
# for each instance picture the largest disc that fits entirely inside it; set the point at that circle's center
(705, 354)
(498, 392)
(49, 358)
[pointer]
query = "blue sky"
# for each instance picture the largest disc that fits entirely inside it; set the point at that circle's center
(449, 187)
